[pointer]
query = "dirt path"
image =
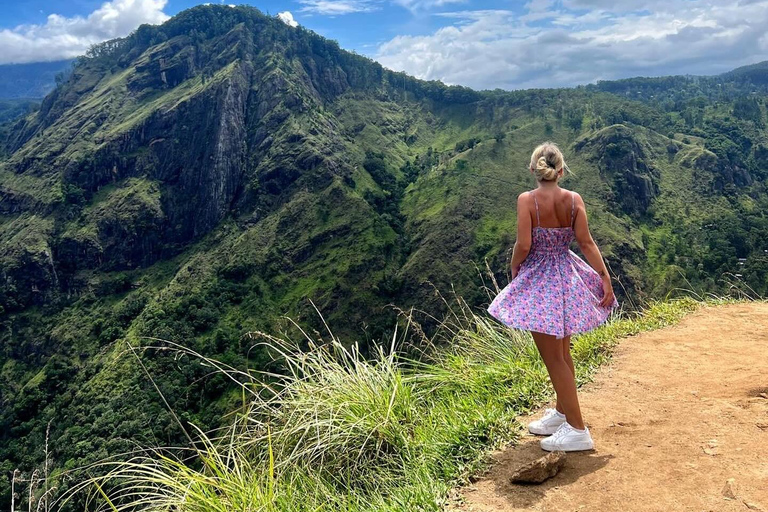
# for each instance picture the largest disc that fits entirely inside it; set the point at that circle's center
(675, 415)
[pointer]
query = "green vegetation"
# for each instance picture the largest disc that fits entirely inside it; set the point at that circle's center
(30, 81)
(207, 177)
(11, 109)
(337, 431)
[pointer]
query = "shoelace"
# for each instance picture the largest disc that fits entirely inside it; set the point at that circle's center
(561, 431)
(549, 413)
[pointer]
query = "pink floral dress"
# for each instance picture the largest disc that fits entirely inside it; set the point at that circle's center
(555, 292)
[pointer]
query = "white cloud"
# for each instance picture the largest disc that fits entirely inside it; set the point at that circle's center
(336, 7)
(62, 37)
(423, 5)
(572, 42)
(287, 17)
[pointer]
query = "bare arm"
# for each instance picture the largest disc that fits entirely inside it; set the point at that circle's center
(591, 251)
(523, 242)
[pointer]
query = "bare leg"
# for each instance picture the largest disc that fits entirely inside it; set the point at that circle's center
(567, 356)
(561, 375)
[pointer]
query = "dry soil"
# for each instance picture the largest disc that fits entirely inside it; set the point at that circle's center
(680, 423)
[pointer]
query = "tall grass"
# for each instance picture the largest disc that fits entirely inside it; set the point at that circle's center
(336, 431)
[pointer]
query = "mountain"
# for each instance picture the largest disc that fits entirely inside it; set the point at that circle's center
(23, 85)
(671, 92)
(755, 75)
(12, 109)
(33, 80)
(201, 179)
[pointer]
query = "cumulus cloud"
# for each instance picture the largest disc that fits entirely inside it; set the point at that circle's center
(287, 17)
(570, 42)
(65, 37)
(422, 5)
(336, 7)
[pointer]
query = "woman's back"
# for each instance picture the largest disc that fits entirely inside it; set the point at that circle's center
(556, 207)
(546, 239)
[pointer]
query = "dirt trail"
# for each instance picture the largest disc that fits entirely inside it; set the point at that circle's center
(675, 415)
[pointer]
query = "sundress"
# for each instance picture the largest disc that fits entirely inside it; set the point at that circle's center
(555, 292)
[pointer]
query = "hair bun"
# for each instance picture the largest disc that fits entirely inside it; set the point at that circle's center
(546, 161)
(544, 169)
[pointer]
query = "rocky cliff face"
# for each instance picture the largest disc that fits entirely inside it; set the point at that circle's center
(207, 125)
(623, 160)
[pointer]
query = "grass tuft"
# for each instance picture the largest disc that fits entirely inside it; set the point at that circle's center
(336, 431)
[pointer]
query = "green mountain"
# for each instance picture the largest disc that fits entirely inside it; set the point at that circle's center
(12, 109)
(32, 80)
(201, 179)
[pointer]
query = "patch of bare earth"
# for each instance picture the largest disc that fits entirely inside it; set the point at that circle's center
(680, 423)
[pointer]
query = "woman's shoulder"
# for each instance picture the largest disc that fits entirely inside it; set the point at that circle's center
(572, 193)
(525, 196)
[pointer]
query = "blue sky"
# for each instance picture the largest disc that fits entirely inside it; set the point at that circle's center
(482, 44)
(359, 31)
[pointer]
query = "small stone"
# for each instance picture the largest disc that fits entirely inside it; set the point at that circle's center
(540, 469)
(764, 395)
(762, 426)
(753, 506)
(729, 489)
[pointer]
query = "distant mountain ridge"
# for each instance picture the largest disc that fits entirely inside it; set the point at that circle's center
(727, 86)
(30, 81)
(199, 179)
(35, 80)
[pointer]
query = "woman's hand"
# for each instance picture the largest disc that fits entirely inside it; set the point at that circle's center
(608, 295)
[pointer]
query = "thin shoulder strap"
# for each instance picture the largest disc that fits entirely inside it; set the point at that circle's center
(536, 204)
(573, 207)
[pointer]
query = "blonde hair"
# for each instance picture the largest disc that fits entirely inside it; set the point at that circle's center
(546, 160)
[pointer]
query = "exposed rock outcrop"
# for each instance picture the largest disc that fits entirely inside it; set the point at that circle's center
(622, 159)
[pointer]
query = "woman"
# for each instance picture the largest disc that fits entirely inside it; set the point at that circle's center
(554, 293)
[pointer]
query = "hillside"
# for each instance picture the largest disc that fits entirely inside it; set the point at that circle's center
(199, 179)
(690, 437)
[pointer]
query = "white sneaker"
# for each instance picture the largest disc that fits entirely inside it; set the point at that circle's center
(568, 439)
(548, 423)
